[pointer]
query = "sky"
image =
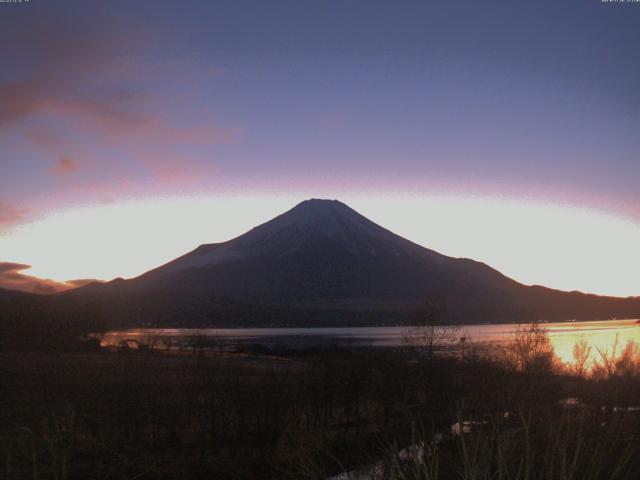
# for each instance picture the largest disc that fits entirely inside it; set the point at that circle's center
(504, 131)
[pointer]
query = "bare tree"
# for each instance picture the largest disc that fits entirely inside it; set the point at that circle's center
(581, 357)
(605, 366)
(530, 350)
(429, 333)
(626, 363)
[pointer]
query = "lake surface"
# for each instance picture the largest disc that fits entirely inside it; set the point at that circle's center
(563, 336)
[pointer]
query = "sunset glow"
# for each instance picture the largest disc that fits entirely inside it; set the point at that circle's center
(534, 243)
(128, 141)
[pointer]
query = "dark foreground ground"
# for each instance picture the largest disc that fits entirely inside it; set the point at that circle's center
(310, 415)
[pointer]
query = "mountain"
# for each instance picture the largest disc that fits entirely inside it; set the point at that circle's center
(322, 263)
(6, 295)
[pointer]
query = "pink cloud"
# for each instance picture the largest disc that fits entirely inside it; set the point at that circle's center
(64, 166)
(62, 54)
(174, 170)
(77, 69)
(81, 86)
(12, 278)
(11, 215)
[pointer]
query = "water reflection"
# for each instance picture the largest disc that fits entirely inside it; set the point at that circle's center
(599, 335)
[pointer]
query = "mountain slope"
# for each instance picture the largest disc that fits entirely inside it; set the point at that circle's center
(322, 262)
(320, 251)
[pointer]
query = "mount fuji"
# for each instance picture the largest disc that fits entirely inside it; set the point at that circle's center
(322, 263)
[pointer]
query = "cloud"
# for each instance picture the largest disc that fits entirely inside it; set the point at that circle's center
(20, 99)
(65, 165)
(80, 90)
(48, 57)
(11, 215)
(84, 73)
(83, 102)
(13, 278)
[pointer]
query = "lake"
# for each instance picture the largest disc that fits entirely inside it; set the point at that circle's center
(563, 336)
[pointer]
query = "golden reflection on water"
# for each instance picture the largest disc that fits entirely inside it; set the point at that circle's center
(563, 336)
(598, 335)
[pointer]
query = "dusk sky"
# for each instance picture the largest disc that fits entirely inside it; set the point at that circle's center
(504, 131)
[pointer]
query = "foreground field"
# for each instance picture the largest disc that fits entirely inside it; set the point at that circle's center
(309, 414)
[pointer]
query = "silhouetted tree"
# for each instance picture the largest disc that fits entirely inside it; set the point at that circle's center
(581, 355)
(429, 333)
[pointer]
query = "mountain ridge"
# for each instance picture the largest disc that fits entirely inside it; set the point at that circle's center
(323, 263)
(307, 219)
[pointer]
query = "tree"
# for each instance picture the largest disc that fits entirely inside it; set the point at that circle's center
(530, 350)
(616, 362)
(429, 333)
(581, 357)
